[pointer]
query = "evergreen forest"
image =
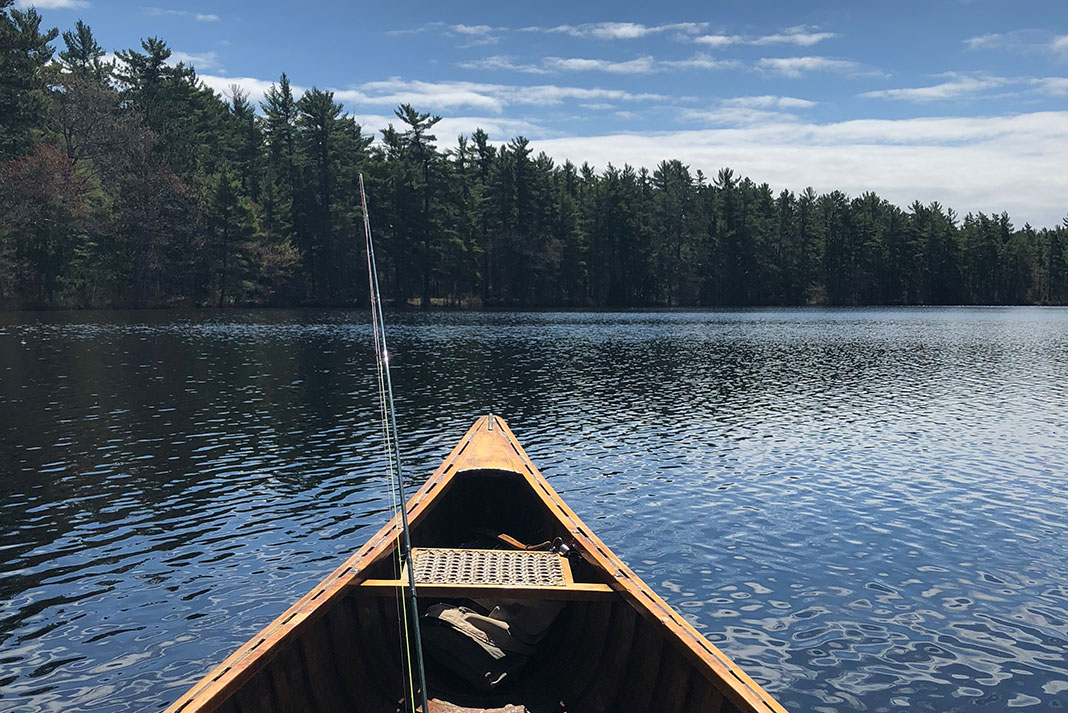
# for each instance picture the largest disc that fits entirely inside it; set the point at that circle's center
(131, 184)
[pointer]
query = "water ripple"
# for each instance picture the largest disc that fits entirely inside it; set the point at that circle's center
(865, 508)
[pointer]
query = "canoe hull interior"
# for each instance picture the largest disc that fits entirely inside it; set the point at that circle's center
(601, 657)
(613, 644)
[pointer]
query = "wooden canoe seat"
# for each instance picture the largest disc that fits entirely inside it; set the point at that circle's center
(446, 565)
(449, 572)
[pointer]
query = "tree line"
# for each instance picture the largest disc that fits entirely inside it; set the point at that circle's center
(131, 184)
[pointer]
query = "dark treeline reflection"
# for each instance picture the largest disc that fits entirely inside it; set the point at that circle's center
(133, 184)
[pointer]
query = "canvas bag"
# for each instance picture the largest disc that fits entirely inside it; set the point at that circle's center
(486, 649)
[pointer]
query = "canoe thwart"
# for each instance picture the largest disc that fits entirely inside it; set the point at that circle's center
(576, 591)
(456, 573)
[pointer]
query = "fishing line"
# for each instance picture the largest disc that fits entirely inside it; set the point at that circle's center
(396, 476)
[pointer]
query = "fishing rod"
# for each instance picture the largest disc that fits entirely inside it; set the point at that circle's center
(389, 424)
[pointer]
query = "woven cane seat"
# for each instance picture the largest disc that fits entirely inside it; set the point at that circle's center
(441, 565)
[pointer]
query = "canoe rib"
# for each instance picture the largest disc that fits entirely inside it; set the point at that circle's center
(489, 445)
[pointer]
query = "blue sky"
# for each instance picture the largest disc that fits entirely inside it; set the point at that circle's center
(960, 101)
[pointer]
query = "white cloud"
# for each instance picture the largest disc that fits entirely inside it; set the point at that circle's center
(256, 88)
(747, 111)
(802, 36)
(739, 116)
(1028, 41)
(1012, 163)
(51, 4)
(551, 94)
(640, 65)
(472, 29)
(199, 60)
(450, 127)
(442, 96)
(424, 95)
(502, 62)
(473, 35)
(918, 132)
(958, 86)
(963, 86)
(198, 16)
(985, 41)
(798, 66)
(436, 96)
(621, 30)
(498, 129)
(1051, 85)
(768, 101)
(718, 41)
(701, 61)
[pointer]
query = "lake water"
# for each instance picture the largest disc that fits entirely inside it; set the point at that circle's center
(868, 510)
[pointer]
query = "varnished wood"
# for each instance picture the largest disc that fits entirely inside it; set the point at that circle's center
(711, 701)
(638, 688)
(613, 665)
(345, 628)
(290, 681)
(576, 621)
(257, 697)
(590, 650)
(674, 679)
(378, 622)
(570, 592)
(341, 642)
(324, 678)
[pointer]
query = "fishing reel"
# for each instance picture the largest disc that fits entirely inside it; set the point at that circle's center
(562, 548)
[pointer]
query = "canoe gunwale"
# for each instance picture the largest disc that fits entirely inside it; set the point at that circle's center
(498, 451)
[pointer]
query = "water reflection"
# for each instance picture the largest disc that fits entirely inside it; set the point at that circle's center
(864, 508)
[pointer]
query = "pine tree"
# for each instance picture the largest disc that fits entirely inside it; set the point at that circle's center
(279, 199)
(24, 53)
(245, 142)
(232, 231)
(419, 152)
(83, 55)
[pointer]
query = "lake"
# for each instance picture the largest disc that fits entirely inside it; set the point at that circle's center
(866, 509)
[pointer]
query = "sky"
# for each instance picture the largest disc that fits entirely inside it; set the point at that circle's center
(964, 102)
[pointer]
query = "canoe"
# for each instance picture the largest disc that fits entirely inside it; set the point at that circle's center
(490, 537)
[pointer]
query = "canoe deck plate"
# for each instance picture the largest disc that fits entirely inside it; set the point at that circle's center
(440, 565)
